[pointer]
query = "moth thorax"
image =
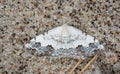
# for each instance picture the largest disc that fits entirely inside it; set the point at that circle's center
(65, 38)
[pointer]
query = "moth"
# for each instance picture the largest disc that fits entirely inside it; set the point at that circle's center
(64, 41)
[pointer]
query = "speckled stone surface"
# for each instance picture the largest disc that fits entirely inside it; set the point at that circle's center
(21, 20)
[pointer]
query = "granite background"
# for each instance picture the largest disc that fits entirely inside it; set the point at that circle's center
(21, 20)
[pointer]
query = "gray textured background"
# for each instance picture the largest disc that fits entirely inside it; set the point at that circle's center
(21, 20)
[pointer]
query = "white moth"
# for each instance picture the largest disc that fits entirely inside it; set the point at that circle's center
(65, 41)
